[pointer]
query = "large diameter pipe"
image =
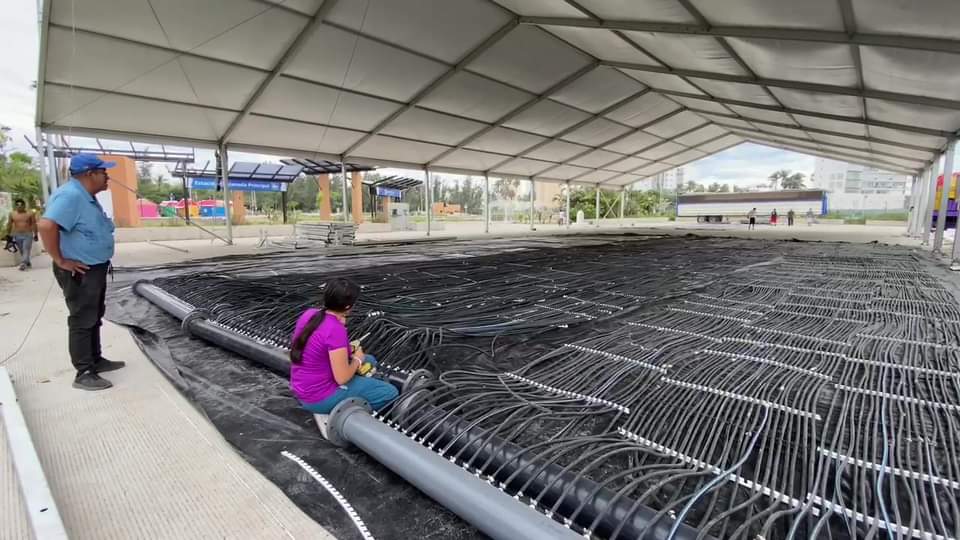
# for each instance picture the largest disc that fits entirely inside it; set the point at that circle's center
(195, 323)
(490, 510)
(552, 482)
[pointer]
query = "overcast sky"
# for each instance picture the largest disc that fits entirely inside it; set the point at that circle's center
(747, 164)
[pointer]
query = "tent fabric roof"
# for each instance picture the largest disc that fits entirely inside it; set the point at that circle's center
(591, 91)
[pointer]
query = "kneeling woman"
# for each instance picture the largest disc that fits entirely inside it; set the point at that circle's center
(323, 371)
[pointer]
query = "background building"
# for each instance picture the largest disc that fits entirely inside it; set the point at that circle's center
(858, 187)
(668, 180)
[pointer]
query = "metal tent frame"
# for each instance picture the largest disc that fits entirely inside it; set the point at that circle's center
(587, 92)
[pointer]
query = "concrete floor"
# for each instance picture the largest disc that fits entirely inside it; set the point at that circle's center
(138, 461)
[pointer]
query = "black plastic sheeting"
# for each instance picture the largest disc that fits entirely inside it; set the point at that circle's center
(254, 410)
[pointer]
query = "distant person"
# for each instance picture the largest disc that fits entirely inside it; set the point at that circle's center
(22, 229)
(809, 217)
(324, 365)
(752, 216)
(78, 235)
(790, 215)
(773, 217)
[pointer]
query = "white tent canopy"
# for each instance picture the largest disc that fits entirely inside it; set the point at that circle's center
(590, 91)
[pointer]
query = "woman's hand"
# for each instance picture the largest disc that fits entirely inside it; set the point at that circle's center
(358, 355)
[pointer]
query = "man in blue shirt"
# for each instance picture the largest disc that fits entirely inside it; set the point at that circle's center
(79, 237)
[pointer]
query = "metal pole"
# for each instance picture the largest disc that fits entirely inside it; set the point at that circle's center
(597, 212)
(944, 195)
(623, 200)
(479, 503)
(533, 193)
(52, 176)
(916, 196)
(922, 202)
(343, 182)
(567, 206)
(224, 178)
(426, 186)
(42, 150)
(931, 197)
(913, 204)
(486, 203)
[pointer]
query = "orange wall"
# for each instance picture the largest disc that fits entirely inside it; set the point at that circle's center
(123, 190)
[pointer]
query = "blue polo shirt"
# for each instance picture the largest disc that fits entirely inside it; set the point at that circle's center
(86, 233)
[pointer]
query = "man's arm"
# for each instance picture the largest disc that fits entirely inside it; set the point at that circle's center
(33, 225)
(50, 234)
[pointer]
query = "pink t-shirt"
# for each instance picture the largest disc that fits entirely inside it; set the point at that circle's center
(312, 379)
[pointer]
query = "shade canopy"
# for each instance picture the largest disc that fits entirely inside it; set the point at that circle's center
(593, 91)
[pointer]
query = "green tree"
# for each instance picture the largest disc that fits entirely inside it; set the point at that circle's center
(19, 175)
(785, 179)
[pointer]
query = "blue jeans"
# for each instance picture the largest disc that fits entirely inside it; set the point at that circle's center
(24, 242)
(376, 392)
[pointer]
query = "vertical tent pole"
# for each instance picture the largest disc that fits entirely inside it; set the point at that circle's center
(42, 150)
(426, 185)
(919, 189)
(916, 195)
(597, 211)
(343, 181)
(931, 197)
(567, 206)
(52, 177)
(924, 216)
(533, 193)
(283, 205)
(486, 203)
(224, 178)
(623, 201)
(944, 195)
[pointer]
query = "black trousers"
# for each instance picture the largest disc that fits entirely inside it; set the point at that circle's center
(85, 295)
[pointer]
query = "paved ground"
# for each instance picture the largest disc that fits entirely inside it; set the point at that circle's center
(138, 460)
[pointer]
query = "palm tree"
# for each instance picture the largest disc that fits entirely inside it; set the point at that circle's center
(785, 179)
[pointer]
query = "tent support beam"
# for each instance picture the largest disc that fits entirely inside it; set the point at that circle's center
(597, 208)
(815, 114)
(566, 218)
(280, 66)
(931, 200)
(225, 180)
(793, 85)
(486, 203)
(792, 34)
(944, 195)
(427, 196)
(533, 196)
(456, 68)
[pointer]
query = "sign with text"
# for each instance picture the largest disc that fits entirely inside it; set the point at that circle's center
(239, 185)
(389, 192)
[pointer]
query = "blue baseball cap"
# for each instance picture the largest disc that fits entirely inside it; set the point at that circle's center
(82, 163)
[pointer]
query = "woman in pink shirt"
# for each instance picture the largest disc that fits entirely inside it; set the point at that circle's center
(323, 371)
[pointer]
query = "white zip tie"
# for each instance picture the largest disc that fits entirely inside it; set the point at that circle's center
(909, 341)
(917, 369)
(897, 397)
(757, 359)
(793, 334)
(567, 393)
(891, 470)
(870, 521)
(613, 356)
(741, 397)
(361, 526)
(749, 484)
(673, 331)
(711, 315)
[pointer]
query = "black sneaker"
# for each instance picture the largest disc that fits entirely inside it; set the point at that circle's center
(103, 365)
(91, 381)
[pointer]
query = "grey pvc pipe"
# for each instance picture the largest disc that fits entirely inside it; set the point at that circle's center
(490, 510)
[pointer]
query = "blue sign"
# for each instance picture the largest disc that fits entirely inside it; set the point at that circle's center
(389, 192)
(239, 185)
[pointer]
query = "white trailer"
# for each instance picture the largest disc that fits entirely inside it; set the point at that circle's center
(724, 207)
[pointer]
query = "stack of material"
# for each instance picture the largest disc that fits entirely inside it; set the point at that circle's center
(328, 233)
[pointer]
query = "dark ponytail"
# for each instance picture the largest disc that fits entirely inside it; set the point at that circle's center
(339, 294)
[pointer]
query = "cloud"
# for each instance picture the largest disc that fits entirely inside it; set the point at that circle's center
(747, 164)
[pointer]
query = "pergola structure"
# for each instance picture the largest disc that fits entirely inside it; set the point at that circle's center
(595, 92)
